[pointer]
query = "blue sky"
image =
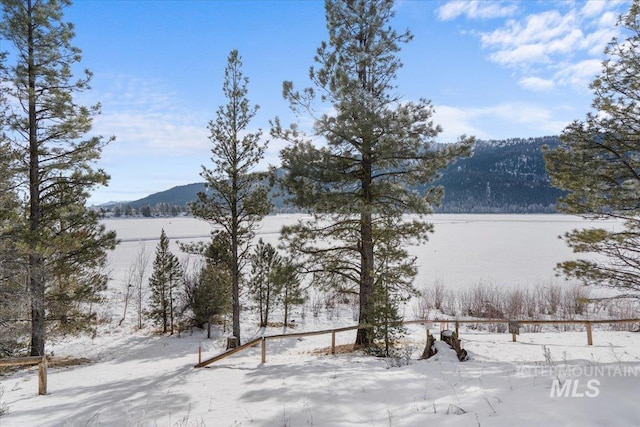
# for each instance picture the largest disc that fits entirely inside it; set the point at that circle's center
(493, 69)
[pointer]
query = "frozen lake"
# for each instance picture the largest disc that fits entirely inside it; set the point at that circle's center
(466, 249)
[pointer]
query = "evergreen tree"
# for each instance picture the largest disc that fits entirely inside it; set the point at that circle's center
(274, 282)
(262, 288)
(163, 282)
(13, 302)
(63, 244)
(358, 185)
(286, 278)
(598, 163)
(393, 288)
(209, 292)
(235, 199)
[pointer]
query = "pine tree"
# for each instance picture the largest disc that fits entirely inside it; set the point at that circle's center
(13, 302)
(393, 288)
(286, 278)
(274, 281)
(166, 275)
(262, 288)
(208, 293)
(359, 185)
(598, 163)
(236, 199)
(63, 244)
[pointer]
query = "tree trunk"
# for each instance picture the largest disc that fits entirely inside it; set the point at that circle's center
(235, 273)
(286, 307)
(266, 308)
(164, 311)
(364, 337)
(171, 300)
(38, 325)
(36, 263)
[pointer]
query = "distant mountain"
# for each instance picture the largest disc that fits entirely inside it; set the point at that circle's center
(177, 196)
(502, 176)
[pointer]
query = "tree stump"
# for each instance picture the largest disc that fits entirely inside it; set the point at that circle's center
(232, 342)
(430, 348)
(451, 338)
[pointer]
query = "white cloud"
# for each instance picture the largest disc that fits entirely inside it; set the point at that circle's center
(499, 121)
(519, 113)
(542, 30)
(521, 55)
(579, 75)
(140, 131)
(455, 122)
(595, 42)
(558, 47)
(536, 84)
(475, 9)
(593, 8)
(144, 115)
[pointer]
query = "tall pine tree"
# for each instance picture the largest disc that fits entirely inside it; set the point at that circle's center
(236, 199)
(359, 184)
(598, 164)
(63, 244)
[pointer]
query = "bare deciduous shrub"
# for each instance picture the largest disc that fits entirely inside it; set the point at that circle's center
(549, 301)
(490, 301)
(438, 294)
(316, 305)
(4, 409)
(575, 300)
(514, 304)
(623, 309)
(553, 298)
(422, 305)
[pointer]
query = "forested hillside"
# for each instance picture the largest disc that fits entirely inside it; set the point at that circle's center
(506, 176)
(502, 176)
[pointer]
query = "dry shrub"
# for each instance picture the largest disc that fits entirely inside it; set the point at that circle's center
(490, 301)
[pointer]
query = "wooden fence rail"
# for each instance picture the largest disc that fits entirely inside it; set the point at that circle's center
(41, 361)
(443, 322)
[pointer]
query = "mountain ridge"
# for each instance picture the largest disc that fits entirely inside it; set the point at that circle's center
(502, 176)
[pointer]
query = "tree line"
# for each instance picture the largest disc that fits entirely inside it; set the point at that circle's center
(182, 296)
(355, 172)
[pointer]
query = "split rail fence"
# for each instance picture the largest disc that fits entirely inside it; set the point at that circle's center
(514, 326)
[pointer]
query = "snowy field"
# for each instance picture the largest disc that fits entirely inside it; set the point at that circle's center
(552, 378)
(502, 250)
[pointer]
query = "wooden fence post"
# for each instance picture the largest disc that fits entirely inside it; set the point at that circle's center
(514, 328)
(457, 329)
(42, 376)
(589, 336)
(333, 342)
(264, 350)
(200, 353)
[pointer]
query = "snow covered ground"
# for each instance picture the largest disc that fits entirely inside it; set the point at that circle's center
(137, 378)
